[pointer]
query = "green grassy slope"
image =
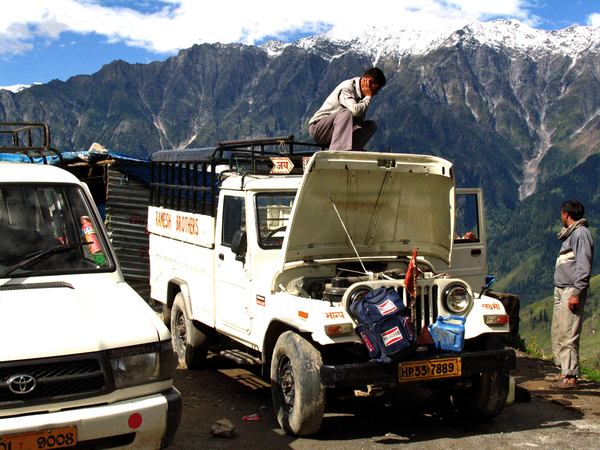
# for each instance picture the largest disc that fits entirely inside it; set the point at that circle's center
(536, 320)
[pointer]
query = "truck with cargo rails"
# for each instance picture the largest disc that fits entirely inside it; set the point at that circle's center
(85, 363)
(260, 248)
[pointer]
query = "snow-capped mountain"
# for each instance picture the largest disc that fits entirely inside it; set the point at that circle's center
(514, 108)
(503, 35)
(16, 87)
(500, 34)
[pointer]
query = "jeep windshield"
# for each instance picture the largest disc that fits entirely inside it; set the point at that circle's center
(48, 230)
(273, 211)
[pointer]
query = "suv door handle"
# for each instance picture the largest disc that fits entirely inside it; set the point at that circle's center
(476, 251)
(221, 256)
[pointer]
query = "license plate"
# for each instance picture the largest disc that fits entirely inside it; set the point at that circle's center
(40, 440)
(426, 370)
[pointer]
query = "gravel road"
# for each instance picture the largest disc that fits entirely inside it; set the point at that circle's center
(403, 418)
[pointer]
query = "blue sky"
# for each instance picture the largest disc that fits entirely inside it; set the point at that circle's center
(42, 40)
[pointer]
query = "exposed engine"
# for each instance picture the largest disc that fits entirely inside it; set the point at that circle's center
(333, 288)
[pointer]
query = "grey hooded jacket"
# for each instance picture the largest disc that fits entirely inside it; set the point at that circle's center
(574, 262)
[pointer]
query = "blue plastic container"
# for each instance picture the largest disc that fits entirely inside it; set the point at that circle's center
(448, 333)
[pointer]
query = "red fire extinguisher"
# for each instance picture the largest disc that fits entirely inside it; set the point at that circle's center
(87, 227)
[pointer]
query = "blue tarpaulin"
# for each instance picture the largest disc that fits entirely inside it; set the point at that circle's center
(138, 169)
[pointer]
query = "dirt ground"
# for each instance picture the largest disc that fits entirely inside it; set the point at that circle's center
(540, 417)
(530, 375)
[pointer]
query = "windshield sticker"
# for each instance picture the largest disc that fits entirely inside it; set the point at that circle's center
(260, 300)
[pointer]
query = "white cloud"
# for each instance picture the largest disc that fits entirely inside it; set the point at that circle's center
(168, 25)
(594, 20)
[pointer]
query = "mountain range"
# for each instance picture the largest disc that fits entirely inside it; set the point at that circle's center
(514, 108)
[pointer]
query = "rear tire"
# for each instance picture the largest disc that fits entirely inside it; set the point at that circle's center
(189, 342)
(166, 313)
(298, 395)
(486, 398)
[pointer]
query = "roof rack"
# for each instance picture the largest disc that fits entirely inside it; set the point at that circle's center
(31, 139)
(252, 154)
(188, 179)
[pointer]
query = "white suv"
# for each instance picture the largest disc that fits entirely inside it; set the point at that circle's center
(84, 361)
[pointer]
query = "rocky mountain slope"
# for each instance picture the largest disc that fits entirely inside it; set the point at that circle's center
(515, 109)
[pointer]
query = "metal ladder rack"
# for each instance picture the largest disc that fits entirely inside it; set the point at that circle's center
(188, 180)
(31, 139)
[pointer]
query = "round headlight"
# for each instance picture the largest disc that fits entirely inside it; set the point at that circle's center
(357, 294)
(457, 299)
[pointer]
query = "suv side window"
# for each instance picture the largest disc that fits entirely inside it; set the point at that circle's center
(234, 218)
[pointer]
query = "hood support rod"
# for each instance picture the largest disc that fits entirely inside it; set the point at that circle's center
(345, 229)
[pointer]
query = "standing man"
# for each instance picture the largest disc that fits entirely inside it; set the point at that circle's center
(571, 280)
(340, 123)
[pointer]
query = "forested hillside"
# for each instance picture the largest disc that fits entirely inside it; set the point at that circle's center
(515, 110)
(536, 320)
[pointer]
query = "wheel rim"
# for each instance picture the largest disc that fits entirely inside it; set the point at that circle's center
(286, 383)
(180, 330)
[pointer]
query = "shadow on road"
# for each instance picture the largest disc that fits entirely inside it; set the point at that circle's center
(403, 415)
(407, 414)
(224, 390)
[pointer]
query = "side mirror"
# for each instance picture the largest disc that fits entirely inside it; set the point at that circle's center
(239, 245)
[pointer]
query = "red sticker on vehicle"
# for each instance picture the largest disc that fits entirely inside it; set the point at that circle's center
(391, 336)
(387, 307)
(493, 306)
(335, 315)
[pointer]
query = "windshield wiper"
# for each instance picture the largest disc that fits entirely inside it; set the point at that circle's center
(36, 258)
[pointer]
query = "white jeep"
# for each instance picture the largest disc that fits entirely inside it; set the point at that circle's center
(269, 251)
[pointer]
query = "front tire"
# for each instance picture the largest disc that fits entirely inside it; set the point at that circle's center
(189, 342)
(298, 395)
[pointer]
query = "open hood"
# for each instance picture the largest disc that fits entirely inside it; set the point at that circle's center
(387, 203)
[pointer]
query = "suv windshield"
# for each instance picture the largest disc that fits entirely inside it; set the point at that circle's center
(48, 229)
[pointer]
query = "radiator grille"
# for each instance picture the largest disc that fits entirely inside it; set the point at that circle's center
(54, 380)
(426, 311)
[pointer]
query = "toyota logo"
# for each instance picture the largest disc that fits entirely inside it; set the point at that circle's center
(21, 384)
